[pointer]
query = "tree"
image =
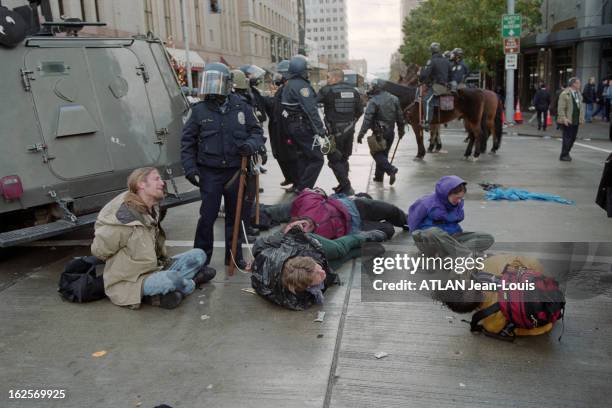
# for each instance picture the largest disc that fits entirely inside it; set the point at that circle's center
(473, 25)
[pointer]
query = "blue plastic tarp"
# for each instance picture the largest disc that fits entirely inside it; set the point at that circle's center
(514, 194)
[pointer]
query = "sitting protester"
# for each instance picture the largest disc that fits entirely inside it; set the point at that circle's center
(129, 237)
(505, 313)
(338, 215)
(292, 267)
(434, 221)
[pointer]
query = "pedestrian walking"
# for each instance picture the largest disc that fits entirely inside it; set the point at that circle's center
(542, 101)
(589, 97)
(570, 116)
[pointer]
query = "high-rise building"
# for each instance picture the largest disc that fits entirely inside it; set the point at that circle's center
(326, 24)
(406, 7)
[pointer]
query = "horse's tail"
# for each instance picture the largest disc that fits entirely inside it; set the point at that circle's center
(498, 125)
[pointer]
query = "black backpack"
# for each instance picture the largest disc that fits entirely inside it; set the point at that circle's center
(79, 282)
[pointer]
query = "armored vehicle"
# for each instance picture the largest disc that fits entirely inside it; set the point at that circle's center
(76, 117)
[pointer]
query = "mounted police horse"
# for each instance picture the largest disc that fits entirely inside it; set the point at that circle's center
(480, 110)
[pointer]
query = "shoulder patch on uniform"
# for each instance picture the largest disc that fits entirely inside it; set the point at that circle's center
(305, 92)
(428, 62)
(125, 215)
(241, 118)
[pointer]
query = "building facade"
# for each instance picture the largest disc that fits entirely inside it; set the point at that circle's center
(575, 40)
(326, 24)
(360, 66)
(235, 32)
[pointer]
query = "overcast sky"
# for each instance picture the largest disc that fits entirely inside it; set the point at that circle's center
(374, 31)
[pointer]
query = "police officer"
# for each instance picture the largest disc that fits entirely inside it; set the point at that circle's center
(283, 148)
(382, 113)
(459, 70)
(303, 123)
(220, 130)
(343, 107)
(255, 75)
(435, 75)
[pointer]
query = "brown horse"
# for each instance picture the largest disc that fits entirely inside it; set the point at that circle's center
(479, 109)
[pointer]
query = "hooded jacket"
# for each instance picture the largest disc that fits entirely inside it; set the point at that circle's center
(434, 210)
(271, 253)
(132, 244)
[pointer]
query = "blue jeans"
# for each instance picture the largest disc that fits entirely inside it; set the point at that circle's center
(589, 112)
(178, 277)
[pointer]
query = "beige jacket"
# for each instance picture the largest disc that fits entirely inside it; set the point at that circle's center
(132, 245)
(565, 107)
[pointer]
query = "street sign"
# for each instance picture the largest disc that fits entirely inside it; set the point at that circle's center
(512, 45)
(511, 25)
(511, 61)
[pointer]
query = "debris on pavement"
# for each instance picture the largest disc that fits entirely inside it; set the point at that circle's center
(320, 317)
(99, 353)
(204, 317)
(249, 290)
(381, 354)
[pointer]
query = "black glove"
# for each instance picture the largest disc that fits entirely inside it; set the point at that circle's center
(246, 150)
(360, 139)
(263, 154)
(193, 178)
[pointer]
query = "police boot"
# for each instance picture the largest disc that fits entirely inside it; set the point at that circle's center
(438, 147)
(392, 176)
(430, 148)
(170, 300)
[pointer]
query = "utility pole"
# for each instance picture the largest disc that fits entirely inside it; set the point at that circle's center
(186, 42)
(510, 81)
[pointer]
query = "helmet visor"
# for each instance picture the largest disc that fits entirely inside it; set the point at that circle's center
(255, 72)
(214, 83)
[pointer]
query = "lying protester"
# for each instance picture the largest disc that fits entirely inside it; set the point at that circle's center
(339, 215)
(434, 221)
(526, 303)
(129, 237)
(292, 267)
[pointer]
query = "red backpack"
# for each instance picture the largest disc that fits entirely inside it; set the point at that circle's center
(331, 218)
(526, 309)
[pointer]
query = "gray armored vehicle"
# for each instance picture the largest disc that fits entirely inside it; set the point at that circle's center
(77, 115)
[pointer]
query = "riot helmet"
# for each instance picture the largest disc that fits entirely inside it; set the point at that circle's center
(283, 68)
(434, 47)
(447, 54)
(239, 80)
(216, 80)
(375, 85)
(278, 79)
(298, 66)
(458, 53)
(13, 28)
(254, 73)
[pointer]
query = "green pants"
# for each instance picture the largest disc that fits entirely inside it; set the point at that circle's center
(436, 241)
(339, 250)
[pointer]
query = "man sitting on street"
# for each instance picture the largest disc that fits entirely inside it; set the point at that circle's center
(129, 238)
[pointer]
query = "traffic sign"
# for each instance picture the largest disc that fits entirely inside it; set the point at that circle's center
(512, 45)
(511, 61)
(511, 25)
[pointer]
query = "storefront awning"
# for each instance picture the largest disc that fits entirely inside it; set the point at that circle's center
(568, 36)
(194, 58)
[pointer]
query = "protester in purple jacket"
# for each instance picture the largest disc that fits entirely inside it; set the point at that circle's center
(434, 221)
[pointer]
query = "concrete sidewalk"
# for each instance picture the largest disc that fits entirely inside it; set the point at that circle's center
(596, 130)
(250, 353)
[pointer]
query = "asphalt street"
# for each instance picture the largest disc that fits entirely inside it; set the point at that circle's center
(226, 347)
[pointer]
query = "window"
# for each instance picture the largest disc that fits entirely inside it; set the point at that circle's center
(335, 19)
(148, 11)
(167, 18)
(342, 55)
(214, 6)
(211, 35)
(341, 19)
(97, 10)
(198, 21)
(308, 30)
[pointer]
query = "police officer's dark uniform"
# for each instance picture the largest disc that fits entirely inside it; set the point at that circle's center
(282, 146)
(302, 122)
(255, 75)
(382, 113)
(220, 130)
(459, 70)
(343, 107)
(435, 75)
